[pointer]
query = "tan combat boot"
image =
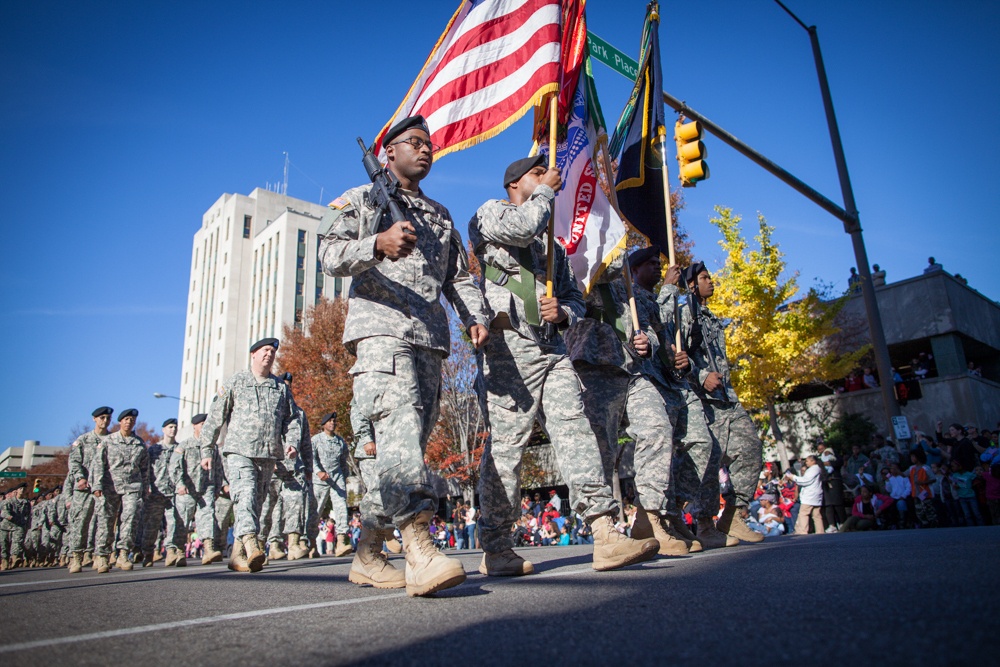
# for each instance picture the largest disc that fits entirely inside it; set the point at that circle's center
(391, 543)
(147, 559)
(3, 564)
(670, 544)
(343, 545)
(255, 555)
(427, 569)
(733, 525)
(505, 564)
(123, 563)
(102, 564)
(613, 550)
(296, 549)
(238, 558)
(75, 566)
(171, 558)
(274, 551)
(157, 556)
(676, 527)
(88, 559)
(711, 537)
(642, 529)
(370, 566)
(181, 560)
(212, 555)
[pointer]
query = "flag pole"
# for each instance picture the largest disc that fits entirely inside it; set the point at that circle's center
(553, 126)
(671, 254)
(602, 147)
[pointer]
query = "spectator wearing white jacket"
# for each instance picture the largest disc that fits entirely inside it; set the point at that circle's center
(810, 484)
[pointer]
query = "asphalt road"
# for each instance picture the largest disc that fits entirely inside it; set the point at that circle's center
(918, 597)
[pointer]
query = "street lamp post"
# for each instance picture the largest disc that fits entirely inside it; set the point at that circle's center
(157, 394)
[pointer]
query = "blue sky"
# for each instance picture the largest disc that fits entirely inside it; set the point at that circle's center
(120, 123)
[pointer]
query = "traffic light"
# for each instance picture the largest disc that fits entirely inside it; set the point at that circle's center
(38, 486)
(690, 153)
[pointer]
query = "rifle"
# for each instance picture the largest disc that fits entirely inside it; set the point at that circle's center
(384, 195)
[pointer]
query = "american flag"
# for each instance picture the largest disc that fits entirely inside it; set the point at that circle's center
(495, 60)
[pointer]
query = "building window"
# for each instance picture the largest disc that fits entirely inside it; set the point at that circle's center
(220, 333)
(246, 226)
(225, 258)
(221, 304)
(187, 356)
(227, 228)
(300, 262)
(218, 358)
(223, 282)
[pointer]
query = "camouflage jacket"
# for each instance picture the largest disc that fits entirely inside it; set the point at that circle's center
(399, 298)
(499, 231)
(260, 415)
(81, 457)
(661, 332)
(160, 481)
(123, 466)
(185, 468)
(363, 432)
(39, 515)
(710, 355)
(14, 513)
(329, 454)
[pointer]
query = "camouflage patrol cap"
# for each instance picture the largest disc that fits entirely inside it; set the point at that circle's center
(404, 125)
(103, 410)
(169, 422)
(130, 412)
(273, 342)
(518, 168)
(198, 418)
(691, 272)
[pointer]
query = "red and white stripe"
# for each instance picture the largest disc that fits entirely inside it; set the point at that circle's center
(494, 61)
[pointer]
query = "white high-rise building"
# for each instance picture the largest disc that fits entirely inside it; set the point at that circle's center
(253, 270)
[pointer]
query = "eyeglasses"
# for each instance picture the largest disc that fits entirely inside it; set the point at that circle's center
(416, 143)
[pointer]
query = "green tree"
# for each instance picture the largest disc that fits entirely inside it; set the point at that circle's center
(848, 430)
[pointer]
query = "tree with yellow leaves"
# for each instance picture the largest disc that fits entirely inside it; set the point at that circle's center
(776, 340)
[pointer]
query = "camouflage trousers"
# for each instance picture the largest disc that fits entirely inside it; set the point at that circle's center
(396, 387)
(175, 533)
(610, 396)
(153, 511)
(373, 515)
(11, 543)
(198, 508)
(270, 513)
(697, 457)
(223, 516)
(330, 497)
(520, 382)
(294, 504)
(742, 450)
(123, 508)
(81, 521)
(248, 482)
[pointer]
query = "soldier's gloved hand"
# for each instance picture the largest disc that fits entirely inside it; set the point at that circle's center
(641, 344)
(673, 275)
(206, 463)
(550, 311)
(369, 448)
(396, 242)
(478, 334)
(182, 490)
(681, 360)
(552, 178)
(291, 452)
(712, 382)
(323, 475)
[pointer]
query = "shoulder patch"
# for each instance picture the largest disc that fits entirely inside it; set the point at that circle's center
(339, 203)
(178, 449)
(222, 393)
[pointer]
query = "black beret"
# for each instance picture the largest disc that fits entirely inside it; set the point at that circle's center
(403, 126)
(519, 168)
(691, 272)
(130, 412)
(103, 410)
(327, 417)
(198, 418)
(642, 255)
(287, 377)
(273, 342)
(169, 422)
(22, 485)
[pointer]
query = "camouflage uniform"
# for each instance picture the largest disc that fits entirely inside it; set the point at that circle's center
(122, 474)
(330, 456)
(524, 376)
(15, 517)
(33, 539)
(161, 492)
(198, 504)
(271, 509)
(742, 449)
(63, 503)
(261, 420)
(296, 488)
(398, 329)
(697, 454)
(619, 384)
(52, 538)
(223, 514)
(372, 512)
(81, 514)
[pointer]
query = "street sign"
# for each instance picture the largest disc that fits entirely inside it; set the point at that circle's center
(13, 473)
(902, 428)
(612, 57)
